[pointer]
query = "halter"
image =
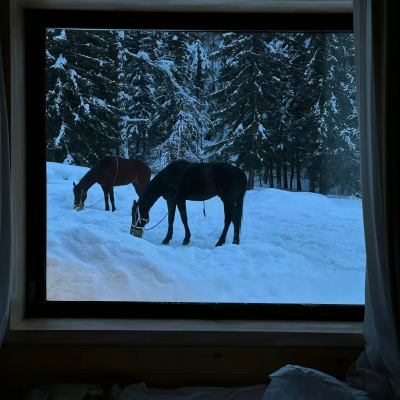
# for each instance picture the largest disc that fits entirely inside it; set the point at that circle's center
(138, 219)
(80, 206)
(81, 201)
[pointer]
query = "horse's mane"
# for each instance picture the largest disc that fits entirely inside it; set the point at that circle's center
(87, 177)
(160, 181)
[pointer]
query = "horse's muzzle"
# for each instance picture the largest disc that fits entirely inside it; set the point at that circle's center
(78, 207)
(136, 232)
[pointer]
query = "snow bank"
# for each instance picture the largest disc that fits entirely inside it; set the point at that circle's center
(295, 248)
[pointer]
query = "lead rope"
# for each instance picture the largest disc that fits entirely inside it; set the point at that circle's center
(116, 159)
(204, 209)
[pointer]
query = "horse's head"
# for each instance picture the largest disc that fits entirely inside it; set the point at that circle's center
(80, 196)
(139, 220)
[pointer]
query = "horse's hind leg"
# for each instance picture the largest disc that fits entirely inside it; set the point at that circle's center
(138, 188)
(106, 198)
(229, 212)
(112, 200)
(171, 217)
(236, 231)
(182, 210)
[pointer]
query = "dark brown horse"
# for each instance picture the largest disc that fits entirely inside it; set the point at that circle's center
(110, 172)
(181, 181)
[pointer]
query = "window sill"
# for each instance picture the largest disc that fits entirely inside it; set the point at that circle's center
(142, 332)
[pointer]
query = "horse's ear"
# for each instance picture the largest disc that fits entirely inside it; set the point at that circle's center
(74, 184)
(134, 202)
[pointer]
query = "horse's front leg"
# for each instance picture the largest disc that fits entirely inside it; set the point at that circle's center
(112, 200)
(171, 217)
(182, 210)
(228, 208)
(105, 191)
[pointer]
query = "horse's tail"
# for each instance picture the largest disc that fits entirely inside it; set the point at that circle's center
(146, 172)
(149, 174)
(239, 202)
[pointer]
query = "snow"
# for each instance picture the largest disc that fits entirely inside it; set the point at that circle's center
(73, 74)
(60, 62)
(295, 248)
(142, 54)
(333, 103)
(68, 160)
(98, 101)
(60, 134)
(166, 66)
(61, 36)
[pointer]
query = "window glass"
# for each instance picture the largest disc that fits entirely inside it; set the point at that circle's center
(278, 109)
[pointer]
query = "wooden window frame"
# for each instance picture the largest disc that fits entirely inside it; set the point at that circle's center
(29, 311)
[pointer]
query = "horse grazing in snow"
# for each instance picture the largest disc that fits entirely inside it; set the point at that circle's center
(110, 172)
(181, 181)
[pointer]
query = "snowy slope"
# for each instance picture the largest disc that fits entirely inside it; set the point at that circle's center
(295, 248)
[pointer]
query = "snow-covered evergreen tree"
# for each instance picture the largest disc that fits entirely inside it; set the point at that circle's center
(244, 99)
(138, 84)
(340, 138)
(81, 102)
(181, 119)
(278, 105)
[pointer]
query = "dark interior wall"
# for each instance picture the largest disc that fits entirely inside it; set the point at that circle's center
(24, 367)
(5, 49)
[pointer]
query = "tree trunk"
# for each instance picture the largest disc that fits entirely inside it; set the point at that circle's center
(312, 178)
(278, 173)
(266, 175)
(250, 182)
(291, 175)
(298, 170)
(271, 176)
(137, 147)
(285, 182)
(322, 184)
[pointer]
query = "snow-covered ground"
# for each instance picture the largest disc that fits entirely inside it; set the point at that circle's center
(295, 248)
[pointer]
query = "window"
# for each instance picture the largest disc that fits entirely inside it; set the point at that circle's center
(277, 105)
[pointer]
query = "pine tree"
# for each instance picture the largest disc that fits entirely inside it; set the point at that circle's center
(81, 101)
(281, 104)
(139, 87)
(181, 118)
(341, 156)
(304, 104)
(243, 99)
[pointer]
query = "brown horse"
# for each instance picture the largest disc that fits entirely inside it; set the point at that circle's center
(110, 172)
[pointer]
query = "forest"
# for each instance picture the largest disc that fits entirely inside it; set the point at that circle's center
(282, 106)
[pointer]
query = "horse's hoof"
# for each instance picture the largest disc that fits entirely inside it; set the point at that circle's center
(218, 244)
(185, 241)
(235, 242)
(165, 242)
(114, 210)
